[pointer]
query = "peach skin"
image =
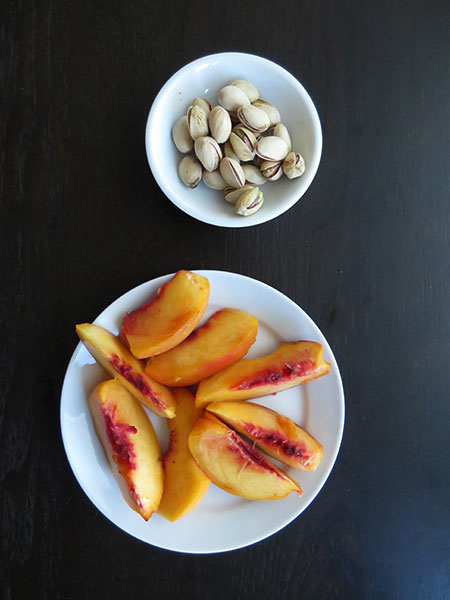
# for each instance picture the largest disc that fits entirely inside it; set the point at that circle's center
(273, 433)
(130, 445)
(185, 484)
(112, 355)
(291, 364)
(169, 318)
(235, 466)
(225, 338)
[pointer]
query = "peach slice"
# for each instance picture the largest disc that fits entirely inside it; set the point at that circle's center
(291, 364)
(130, 445)
(169, 318)
(185, 484)
(224, 339)
(235, 466)
(277, 435)
(120, 363)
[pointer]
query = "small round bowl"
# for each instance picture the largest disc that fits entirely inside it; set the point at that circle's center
(205, 77)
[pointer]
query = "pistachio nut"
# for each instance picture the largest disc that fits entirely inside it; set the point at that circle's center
(208, 152)
(214, 180)
(253, 175)
(293, 165)
(181, 136)
(243, 143)
(269, 108)
(197, 122)
(253, 118)
(232, 172)
(281, 131)
(231, 98)
(202, 103)
(272, 170)
(271, 148)
(232, 195)
(249, 202)
(248, 88)
(190, 171)
(219, 124)
(228, 151)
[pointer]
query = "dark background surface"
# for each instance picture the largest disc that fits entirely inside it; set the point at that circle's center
(366, 253)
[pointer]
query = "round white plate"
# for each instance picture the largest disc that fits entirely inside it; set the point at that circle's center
(221, 521)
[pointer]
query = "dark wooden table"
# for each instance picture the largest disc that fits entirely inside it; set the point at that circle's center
(366, 253)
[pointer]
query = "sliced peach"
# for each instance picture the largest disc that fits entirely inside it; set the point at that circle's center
(277, 435)
(169, 318)
(120, 363)
(225, 338)
(130, 445)
(291, 364)
(185, 484)
(235, 466)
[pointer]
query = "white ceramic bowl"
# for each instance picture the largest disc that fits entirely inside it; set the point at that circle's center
(205, 77)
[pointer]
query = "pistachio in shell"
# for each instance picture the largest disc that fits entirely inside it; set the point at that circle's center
(208, 152)
(181, 136)
(248, 88)
(219, 124)
(243, 143)
(249, 202)
(232, 195)
(232, 172)
(253, 175)
(253, 118)
(197, 122)
(294, 165)
(281, 131)
(272, 170)
(228, 151)
(202, 103)
(272, 148)
(214, 180)
(190, 171)
(270, 109)
(231, 98)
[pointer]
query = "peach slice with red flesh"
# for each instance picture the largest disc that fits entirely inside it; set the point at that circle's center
(120, 363)
(273, 433)
(185, 484)
(235, 466)
(225, 338)
(130, 444)
(169, 318)
(291, 364)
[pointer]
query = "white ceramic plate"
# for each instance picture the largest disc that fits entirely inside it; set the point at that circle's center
(221, 521)
(205, 77)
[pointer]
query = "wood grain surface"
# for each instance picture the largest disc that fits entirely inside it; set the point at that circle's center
(366, 253)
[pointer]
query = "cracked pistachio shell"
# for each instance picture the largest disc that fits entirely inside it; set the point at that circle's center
(190, 171)
(181, 136)
(232, 195)
(228, 151)
(253, 175)
(202, 103)
(197, 122)
(270, 109)
(248, 88)
(219, 124)
(249, 202)
(281, 131)
(231, 98)
(214, 180)
(232, 172)
(253, 118)
(272, 170)
(243, 143)
(271, 148)
(293, 165)
(208, 152)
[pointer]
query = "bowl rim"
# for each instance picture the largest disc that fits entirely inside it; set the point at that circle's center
(258, 218)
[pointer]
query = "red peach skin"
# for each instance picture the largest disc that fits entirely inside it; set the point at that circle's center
(169, 318)
(235, 466)
(130, 444)
(225, 338)
(291, 364)
(112, 355)
(273, 433)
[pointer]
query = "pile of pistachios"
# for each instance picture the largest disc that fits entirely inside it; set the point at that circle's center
(242, 128)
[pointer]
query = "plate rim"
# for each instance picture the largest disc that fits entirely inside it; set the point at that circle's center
(325, 475)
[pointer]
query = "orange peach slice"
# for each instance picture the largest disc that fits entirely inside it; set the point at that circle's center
(169, 318)
(277, 435)
(120, 363)
(235, 466)
(225, 338)
(130, 445)
(185, 484)
(291, 364)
